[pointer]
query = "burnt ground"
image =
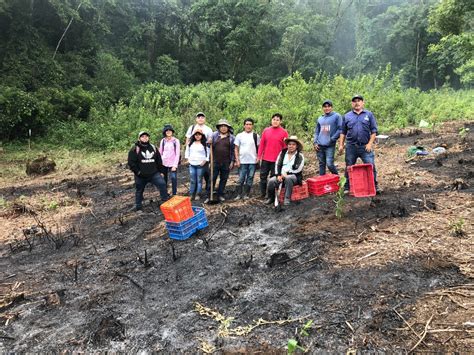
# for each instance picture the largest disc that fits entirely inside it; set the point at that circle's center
(395, 273)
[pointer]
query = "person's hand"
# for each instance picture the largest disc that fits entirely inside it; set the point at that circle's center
(280, 178)
(368, 147)
(174, 168)
(259, 162)
(203, 162)
(162, 175)
(231, 166)
(237, 164)
(316, 147)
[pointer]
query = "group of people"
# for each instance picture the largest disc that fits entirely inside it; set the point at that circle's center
(278, 155)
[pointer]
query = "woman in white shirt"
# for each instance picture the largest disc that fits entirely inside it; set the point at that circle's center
(197, 154)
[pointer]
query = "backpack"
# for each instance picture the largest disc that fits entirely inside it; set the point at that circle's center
(255, 139)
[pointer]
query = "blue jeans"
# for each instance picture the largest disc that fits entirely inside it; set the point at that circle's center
(326, 157)
(222, 170)
(140, 184)
(246, 173)
(353, 152)
(195, 174)
(174, 179)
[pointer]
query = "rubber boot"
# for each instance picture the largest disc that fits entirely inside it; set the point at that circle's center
(246, 192)
(239, 193)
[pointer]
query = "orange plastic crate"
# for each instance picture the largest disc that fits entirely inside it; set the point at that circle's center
(298, 193)
(177, 209)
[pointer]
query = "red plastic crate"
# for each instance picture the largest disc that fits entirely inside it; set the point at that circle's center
(177, 209)
(324, 184)
(298, 193)
(361, 180)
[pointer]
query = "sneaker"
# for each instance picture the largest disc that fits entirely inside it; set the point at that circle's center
(137, 209)
(246, 197)
(197, 198)
(236, 198)
(268, 201)
(346, 191)
(221, 198)
(378, 190)
(286, 202)
(206, 200)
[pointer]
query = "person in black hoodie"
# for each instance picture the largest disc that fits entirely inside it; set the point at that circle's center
(144, 160)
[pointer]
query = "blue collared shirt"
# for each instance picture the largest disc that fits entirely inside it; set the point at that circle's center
(358, 127)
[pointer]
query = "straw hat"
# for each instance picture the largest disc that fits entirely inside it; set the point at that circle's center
(296, 140)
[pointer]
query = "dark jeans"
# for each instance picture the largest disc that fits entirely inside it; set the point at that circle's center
(222, 170)
(288, 182)
(141, 182)
(207, 176)
(195, 174)
(326, 158)
(174, 180)
(246, 173)
(266, 168)
(353, 152)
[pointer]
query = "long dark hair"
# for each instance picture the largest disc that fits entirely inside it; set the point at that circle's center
(202, 140)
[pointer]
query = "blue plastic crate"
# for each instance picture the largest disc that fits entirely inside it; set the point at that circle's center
(200, 217)
(182, 230)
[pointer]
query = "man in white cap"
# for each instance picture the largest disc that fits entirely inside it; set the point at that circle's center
(288, 170)
(144, 160)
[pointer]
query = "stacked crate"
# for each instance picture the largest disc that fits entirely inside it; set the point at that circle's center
(182, 219)
(300, 192)
(324, 184)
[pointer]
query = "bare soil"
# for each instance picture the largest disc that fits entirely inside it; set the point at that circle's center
(80, 272)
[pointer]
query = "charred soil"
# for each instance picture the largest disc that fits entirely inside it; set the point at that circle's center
(395, 273)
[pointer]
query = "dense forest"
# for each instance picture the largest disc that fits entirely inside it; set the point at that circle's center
(68, 65)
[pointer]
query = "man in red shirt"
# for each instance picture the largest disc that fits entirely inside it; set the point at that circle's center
(271, 144)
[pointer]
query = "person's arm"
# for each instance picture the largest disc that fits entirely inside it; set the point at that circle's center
(159, 163)
(278, 173)
(232, 151)
(317, 130)
(187, 152)
(342, 136)
(261, 147)
(373, 133)
(236, 152)
(337, 133)
(133, 161)
(176, 155)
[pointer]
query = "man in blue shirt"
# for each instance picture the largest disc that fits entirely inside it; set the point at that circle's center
(359, 129)
(326, 134)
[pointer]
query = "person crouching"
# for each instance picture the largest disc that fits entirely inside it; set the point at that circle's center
(144, 160)
(288, 170)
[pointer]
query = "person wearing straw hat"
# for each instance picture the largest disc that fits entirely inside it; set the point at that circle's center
(145, 162)
(288, 170)
(222, 153)
(169, 148)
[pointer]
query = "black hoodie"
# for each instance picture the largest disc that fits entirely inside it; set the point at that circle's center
(145, 160)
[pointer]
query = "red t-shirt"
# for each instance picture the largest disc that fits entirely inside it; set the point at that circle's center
(272, 143)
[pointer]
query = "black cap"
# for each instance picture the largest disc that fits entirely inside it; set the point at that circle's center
(327, 102)
(357, 97)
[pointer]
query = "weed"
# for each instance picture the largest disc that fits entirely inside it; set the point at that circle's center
(340, 197)
(293, 346)
(463, 131)
(457, 228)
(3, 203)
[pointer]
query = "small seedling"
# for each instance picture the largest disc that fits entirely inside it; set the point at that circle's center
(293, 346)
(306, 327)
(463, 131)
(340, 197)
(457, 228)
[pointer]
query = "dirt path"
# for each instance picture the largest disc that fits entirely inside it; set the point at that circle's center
(394, 274)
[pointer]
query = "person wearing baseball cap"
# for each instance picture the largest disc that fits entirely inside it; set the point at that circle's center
(326, 133)
(359, 129)
(145, 162)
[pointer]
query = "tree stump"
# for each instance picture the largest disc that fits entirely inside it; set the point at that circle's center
(40, 166)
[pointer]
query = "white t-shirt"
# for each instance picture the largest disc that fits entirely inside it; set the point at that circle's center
(205, 129)
(247, 150)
